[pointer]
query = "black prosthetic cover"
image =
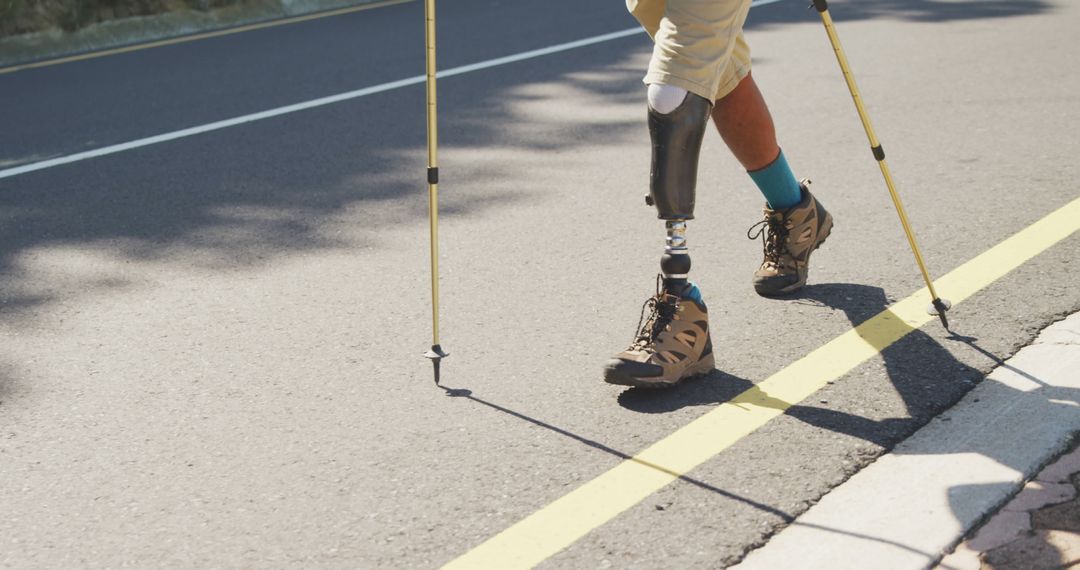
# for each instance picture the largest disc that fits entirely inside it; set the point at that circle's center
(676, 144)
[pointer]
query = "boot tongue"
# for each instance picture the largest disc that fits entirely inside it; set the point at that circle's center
(669, 299)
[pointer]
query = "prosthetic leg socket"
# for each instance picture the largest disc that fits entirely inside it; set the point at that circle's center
(676, 145)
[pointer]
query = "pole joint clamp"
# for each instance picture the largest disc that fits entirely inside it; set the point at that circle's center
(433, 175)
(879, 153)
(821, 5)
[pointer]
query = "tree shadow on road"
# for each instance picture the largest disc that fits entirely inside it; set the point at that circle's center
(332, 178)
(235, 200)
(934, 11)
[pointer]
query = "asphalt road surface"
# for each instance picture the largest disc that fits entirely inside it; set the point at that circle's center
(212, 345)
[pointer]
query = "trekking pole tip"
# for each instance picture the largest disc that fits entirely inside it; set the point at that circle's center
(436, 354)
(938, 307)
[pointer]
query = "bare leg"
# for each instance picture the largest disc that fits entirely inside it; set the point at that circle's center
(746, 126)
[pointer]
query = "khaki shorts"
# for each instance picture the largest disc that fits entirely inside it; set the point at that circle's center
(699, 44)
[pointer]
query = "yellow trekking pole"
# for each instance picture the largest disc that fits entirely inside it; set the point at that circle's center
(938, 305)
(436, 353)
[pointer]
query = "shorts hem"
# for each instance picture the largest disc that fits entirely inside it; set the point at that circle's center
(740, 73)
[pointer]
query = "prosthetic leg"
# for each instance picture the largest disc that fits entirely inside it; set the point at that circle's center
(672, 342)
(676, 146)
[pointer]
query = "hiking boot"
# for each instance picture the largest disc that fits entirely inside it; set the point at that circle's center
(789, 236)
(672, 344)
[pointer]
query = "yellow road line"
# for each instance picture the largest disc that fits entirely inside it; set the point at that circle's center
(204, 35)
(569, 518)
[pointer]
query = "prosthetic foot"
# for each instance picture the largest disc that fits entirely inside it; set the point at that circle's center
(672, 341)
(788, 238)
(671, 345)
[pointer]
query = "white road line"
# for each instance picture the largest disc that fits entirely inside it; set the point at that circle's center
(322, 101)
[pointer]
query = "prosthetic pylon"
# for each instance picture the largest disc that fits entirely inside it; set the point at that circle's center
(436, 353)
(938, 305)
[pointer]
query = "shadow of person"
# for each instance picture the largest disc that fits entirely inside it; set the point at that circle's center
(713, 388)
(924, 374)
(929, 380)
(467, 394)
(927, 377)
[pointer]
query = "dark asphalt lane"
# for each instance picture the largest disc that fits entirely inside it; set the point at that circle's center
(78, 106)
(211, 346)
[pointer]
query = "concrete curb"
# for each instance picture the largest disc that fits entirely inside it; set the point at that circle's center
(35, 47)
(915, 503)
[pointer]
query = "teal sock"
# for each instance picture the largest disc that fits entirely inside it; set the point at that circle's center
(778, 184)
(692, 292)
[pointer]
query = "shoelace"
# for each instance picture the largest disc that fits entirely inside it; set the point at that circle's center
(660, 314)
(773, 235)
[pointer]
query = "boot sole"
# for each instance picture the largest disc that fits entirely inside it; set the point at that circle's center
(826, 231)
(704, 366)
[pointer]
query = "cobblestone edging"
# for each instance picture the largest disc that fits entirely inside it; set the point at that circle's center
(1038, 529)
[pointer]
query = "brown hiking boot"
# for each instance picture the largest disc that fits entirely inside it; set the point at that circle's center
(789, 237)
(672, 344)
